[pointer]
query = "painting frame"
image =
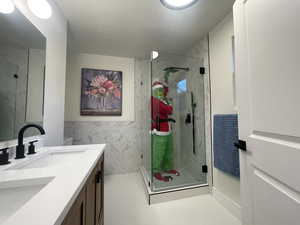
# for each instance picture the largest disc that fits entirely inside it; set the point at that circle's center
(101, 92)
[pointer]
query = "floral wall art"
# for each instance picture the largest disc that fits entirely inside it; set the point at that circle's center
(101, 92)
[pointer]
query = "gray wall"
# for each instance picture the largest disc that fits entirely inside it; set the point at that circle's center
(122, 154)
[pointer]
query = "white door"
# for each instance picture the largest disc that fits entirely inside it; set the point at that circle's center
(267, 39)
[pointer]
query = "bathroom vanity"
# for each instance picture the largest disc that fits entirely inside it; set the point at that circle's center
(88, 207)
(57, 186)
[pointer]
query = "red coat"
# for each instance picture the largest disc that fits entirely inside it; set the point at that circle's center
(160, 110)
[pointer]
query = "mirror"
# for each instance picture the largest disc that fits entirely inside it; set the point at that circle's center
(22, 74)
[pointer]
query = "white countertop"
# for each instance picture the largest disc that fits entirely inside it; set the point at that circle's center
(64, 182)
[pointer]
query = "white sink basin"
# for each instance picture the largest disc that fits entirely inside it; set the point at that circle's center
(50, 159)
(15, 194)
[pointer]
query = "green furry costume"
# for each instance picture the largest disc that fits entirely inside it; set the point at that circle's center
(162, 139)
(162, 150)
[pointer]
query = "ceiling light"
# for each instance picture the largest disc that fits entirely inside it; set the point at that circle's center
(178, 4)
(6, 6)
(40, 8)
(154, 55)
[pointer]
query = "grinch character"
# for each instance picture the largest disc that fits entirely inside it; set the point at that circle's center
(162, 143)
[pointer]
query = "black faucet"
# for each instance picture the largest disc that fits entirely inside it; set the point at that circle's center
(20, 150)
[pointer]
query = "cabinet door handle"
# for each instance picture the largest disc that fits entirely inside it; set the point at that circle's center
(82, 214)
(98, 177)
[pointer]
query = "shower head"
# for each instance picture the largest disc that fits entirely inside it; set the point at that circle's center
(175, 69)
(170, 70)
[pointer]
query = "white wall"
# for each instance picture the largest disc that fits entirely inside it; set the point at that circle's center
(222, 96)
(55, 30)
(221, 65)
(73, 85)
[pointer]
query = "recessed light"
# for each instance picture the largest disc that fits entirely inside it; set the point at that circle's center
(6, 6)
(40, 8)
(178, 4)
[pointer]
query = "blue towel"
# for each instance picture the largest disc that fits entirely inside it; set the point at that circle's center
(226, 155)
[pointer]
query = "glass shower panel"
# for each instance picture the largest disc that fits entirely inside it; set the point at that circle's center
(178, 118)
(143, 78)
(8, 83)
(184, 128)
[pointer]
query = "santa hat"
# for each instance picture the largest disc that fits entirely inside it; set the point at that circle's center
(158, 84)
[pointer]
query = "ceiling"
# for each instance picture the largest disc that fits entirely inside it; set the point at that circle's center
(132, 28)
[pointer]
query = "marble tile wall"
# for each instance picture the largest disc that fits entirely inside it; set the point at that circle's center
(125, 140)
(122, 154)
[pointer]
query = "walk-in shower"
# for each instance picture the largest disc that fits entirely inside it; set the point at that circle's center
(175, 152)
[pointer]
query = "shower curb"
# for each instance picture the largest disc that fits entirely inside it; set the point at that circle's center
(172, 194)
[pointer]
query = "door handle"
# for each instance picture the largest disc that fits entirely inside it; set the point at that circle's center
(242, 145)
(98, 177)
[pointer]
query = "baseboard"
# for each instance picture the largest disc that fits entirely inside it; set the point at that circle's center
(233, 207)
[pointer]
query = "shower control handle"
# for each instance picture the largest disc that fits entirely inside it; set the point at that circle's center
(188, 118)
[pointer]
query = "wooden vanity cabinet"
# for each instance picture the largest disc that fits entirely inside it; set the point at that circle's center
(100, 194)
(77, 213)
(88, 207)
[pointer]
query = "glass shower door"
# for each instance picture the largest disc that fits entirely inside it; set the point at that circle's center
(8, 98)
(177, 132)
